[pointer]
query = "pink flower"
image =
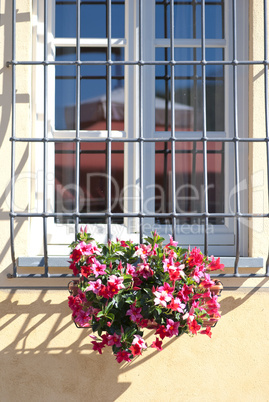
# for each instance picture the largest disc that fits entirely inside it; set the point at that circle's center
(138, 340)
(117, 281)
(83, 318)
(171, 328)
(114, 339)
(172, 242)
(198, 272)
(138, 345)
(168, 263)
(130, 270)
(161, 298)
(143, 251)
(134, 313)
(144, 270)
(94, 286)
(157, 344)
(98, 268)
(166, 288)
(176, 305)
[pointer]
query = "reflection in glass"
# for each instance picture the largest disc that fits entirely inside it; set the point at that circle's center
(93, 180)
(93, 90)
(93, 18)
(187, 19)
(188, 90)
(190, 188)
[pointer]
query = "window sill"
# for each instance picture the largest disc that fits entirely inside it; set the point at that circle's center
(62, 262)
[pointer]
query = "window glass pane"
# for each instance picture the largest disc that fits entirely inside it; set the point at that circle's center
(93, 90)
(190, 189)
(188, 91)
(93, 19)
(93, 180)
(65, 89)
(187, 19)
(65, 21)
(117, 19)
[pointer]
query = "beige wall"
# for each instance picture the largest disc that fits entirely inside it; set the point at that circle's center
(43, 357)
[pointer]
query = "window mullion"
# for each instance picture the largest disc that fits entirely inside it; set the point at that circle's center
(108, 148)
(77, 161)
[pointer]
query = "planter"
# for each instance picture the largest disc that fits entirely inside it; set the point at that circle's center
(125, 288)
(217, 288)
(73, 287)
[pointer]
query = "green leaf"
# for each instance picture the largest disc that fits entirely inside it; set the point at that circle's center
(111, 316)
(108, 307)
(100, 314)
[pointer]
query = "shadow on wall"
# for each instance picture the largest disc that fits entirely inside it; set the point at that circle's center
(45, 357)
(230, 303)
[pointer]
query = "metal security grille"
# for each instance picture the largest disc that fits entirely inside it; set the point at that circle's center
(170, 61)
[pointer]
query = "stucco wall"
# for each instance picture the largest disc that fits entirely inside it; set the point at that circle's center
(44, 357)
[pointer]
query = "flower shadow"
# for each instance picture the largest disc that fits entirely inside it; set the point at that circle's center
(41, 348)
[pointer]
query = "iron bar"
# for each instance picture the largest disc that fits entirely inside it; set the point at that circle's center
(137, 214)
(45, 135)
(173, 156)
(78, 83)
(236, 150)
(204, 125)
(266, 87)
(156, 139)
(144, 63)
(109, 117)
(140, 117)
(13, 133)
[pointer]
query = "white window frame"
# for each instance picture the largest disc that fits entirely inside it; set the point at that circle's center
(59, 235)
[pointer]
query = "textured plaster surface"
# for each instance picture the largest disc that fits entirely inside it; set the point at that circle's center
(44, 357)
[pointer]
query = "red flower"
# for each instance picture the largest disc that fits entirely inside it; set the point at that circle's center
(194, 326)
(215, 264)
(161, 331)
(157, 344)
(123, 355)
(136, 349)
(207, 331)
(75, 256)
(195, 258)
(86, 271)
(74, 268)
(98, 346)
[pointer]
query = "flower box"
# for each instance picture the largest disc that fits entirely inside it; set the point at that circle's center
(125, 288)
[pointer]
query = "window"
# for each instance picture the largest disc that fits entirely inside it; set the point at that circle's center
(139, 121)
